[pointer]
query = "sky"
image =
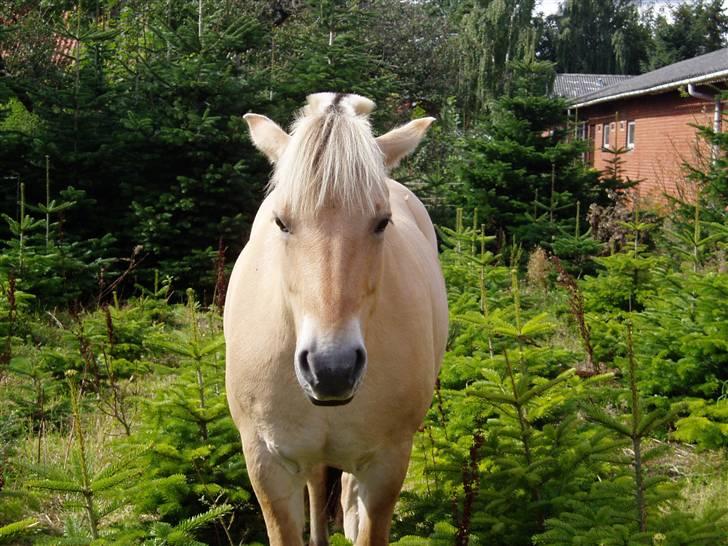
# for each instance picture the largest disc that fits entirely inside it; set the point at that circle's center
(550, 6)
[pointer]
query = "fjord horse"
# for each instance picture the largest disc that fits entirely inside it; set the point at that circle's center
(335, 322)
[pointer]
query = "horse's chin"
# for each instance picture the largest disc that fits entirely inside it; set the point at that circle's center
(316, 402)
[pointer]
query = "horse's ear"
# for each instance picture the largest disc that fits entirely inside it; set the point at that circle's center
(402, 141)
(267, 136)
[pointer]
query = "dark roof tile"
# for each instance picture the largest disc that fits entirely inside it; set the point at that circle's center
(572, 86)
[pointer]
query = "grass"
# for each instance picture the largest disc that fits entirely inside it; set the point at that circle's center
(705, 482)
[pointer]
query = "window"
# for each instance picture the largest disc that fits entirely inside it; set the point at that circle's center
(605, 136)
(580, 131)
(631, 127)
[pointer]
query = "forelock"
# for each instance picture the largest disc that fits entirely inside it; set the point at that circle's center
(332, 158)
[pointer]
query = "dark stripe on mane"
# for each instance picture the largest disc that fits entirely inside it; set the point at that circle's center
(328, 125)
(337, 99)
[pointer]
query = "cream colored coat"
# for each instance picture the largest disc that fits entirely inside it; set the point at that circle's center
(402, 311)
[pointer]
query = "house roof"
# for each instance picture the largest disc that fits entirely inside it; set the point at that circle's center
(706, 68)
(572, 86)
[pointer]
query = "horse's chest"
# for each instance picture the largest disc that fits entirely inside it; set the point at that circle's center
(319, 443)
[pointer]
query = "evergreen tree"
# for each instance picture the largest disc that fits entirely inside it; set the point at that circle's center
(325, 46)
(503, 449)
(524, 174)
(628, 508)
(191, 450)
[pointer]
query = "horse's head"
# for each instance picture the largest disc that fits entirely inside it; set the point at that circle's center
(329, 224)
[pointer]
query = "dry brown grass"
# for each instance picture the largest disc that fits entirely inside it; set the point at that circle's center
(705, 480)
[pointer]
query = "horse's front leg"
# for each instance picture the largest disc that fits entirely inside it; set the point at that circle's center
(279, 486)
(350, 505)
(318, 499)
(378, 485)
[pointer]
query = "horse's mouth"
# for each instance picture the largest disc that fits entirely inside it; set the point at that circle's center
(316, 402)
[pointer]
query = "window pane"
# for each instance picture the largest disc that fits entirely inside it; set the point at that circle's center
(630, 134)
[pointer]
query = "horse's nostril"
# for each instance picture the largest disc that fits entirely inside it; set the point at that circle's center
(361, 358)
(305, 366)
(303, 359)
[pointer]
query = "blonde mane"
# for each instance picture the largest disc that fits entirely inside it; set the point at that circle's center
(332, 158)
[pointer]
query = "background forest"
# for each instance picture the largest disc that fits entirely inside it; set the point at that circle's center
(584, 395)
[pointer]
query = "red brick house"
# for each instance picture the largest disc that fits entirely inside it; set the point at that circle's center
(651, 117)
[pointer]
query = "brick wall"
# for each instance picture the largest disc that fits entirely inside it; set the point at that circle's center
(664, 140)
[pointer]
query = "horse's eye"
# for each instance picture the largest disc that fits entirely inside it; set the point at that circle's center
(281, 225)
(382, 225)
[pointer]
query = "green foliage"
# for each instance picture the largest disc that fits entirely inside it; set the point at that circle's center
(707, 424)
(597, 37)
(576, 248)
(17, 529)
(522, 444)
(534, 436)
(492, 36)
(500, 444)
(599, 517)
(41, 261)
(17, 119)
(624, 284)
(92, 488)
(523, 175)
(614, 37)
(443, 534)
(712, 176)
(429, 171)
(416, 42)
(170, 468)
(686, 339)
(182, 534)
(330, 55)
(189, 446)
(693, 29)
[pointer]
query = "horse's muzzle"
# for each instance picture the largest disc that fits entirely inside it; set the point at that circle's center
(331, 377)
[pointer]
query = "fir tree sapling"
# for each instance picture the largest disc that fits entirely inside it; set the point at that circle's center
(503, 446)
(37, 395)
(523, 175)
(42, 261)
(576, 248)
(629, 507)
(96, 488)
(192, 454)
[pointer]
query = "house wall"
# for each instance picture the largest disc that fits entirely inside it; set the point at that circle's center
(664, 140)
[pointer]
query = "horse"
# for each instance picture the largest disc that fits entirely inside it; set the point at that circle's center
(335, 322)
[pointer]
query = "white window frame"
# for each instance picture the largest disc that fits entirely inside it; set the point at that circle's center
(606, 137)
(631, 131)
